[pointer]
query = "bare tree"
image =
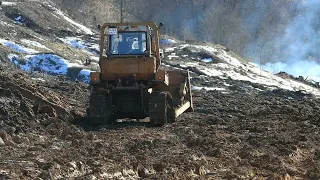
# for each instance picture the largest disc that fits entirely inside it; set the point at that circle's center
(223, 24)
(248, 27)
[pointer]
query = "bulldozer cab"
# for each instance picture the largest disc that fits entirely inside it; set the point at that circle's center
(129, 49)
(130, 40)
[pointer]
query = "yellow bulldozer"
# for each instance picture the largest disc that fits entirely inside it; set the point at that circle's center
(131, 84)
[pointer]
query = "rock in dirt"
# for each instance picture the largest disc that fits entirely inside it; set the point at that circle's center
(5, 136)
(72, 131)
(26, 107)
(200, 170)
(4, 176)
(9, 130)
(75, 142)
(34, 148)
(5, 92)
(143, 172)
(48, 110)
(36, 108)
(2, 142)
(17, 93)
(45, 175)
(3, 112)
(77, 114)
(7, 139)
(20, 139)
(51, 128)
(91, 136)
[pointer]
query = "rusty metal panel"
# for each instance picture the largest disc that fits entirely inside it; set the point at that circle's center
(114, 68)
(152, 24)
(95, 76)
(133, 28)
(176, 77)
(162, 76)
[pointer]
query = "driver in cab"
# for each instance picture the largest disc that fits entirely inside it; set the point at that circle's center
(130, 45)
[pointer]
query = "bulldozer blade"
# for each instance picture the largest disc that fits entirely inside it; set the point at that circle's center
(182, 109)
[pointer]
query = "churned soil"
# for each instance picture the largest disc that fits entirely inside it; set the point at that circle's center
(238, 134)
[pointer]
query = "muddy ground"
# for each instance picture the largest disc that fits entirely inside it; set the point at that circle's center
(241, 134)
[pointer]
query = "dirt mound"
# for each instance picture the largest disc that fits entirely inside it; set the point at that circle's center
(25, 99)
(300, 79)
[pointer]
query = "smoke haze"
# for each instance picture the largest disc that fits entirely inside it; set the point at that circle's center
(298, 51)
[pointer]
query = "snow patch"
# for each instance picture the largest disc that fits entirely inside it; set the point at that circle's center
(184, 46)
(80, 26)
(84, 75)
(206, 48)
(207, 60)
(74, 42)
(211, 72)
(80, 44)
(173, 55)
(34, 44)
(197, 88)
(49, 63)
(168, 49)
(38, 79)
(4, 3)
(95, 58)
(17, 47)
(55, 16)
(18, 18)
(167, 42)
(85, 72)
(5, 24)
(14, 58)
(45, 62)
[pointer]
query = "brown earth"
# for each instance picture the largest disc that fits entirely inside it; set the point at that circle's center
(302, 79)
(243, 134)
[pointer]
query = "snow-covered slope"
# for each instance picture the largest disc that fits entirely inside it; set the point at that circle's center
(41, 44)
(32, 60)
(216, 61)
(41, 15)
(72, 22)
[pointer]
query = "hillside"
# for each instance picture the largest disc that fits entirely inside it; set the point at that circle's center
(247, 124)
(28, 37)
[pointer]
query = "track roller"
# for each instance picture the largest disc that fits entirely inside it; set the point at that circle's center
(100, 109)
(161, 110)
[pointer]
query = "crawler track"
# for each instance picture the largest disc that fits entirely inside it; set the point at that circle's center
(161, 108)
(97, 113)
(158, 108)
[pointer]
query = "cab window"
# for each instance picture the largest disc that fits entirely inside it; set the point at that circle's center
(128, 43)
